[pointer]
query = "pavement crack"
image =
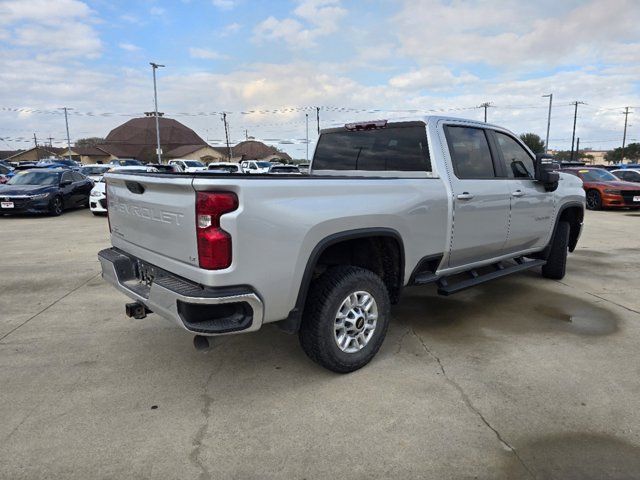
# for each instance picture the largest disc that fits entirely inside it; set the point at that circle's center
(401, 340)
(469, 404)
(601, 298)
(49, 306)
(196, 443)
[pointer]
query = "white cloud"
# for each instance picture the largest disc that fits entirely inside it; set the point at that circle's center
(436, 77)
(224, 4)
(516, 34)
(157, 11)
(129, 47)
(205, 54)
(230, 29)
(315, 18)
(54, 29)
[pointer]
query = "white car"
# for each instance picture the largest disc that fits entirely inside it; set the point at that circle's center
(95, 172)
(255, 166)
(225, 166)
(284, 170)
(98, 199)
(628, 174)
(189, 166)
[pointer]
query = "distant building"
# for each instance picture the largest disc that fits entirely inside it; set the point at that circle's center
(34, 154)
(254, 150)
(204, 153)
(598, 157)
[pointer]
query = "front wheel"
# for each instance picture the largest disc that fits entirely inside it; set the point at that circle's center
(594, 201)
(55, 207)
(345, 319)
(556, 265)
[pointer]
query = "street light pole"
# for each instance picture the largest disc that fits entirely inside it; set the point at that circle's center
(154, 67)
(307, 141)
(546, 143)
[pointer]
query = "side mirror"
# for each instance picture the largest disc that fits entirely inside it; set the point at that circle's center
(546, 171)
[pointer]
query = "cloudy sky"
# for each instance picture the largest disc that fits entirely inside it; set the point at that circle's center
(269, 63)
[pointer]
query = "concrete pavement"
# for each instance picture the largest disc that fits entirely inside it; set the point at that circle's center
(520, 378)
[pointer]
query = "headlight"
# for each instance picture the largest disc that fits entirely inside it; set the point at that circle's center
(612, 192)
(95, 193)
(40, 196)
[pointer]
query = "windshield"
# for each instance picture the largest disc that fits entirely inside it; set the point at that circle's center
(285, 169)
(263, 164)
(94, 170)
(193, 163)
(35, 178)
(597, 175)
(71, 163)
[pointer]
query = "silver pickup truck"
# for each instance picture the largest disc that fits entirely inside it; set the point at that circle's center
(386, 205)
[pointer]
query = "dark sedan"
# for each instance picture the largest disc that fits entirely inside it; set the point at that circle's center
(45, 191)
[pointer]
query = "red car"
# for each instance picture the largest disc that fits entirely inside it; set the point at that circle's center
(605, 190)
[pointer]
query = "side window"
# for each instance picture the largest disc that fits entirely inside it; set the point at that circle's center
(470, 153)
(77, 177)
(517, 161)
(66, 177)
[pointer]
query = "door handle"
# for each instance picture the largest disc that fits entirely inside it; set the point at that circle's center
(464, 196)
(518, 193)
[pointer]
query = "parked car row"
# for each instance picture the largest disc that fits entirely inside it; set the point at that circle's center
(604, 189)
(98, 200)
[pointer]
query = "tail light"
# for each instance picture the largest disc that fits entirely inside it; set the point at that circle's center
(214, 244)
(106, 201)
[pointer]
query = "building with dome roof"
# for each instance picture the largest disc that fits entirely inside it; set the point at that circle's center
(136, 138)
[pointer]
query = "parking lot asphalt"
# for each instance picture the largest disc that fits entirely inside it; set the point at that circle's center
(520, 378)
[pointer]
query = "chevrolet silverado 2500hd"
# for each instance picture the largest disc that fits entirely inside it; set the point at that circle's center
(386, 205)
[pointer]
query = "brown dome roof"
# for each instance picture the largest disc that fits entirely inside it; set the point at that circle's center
(137, 137)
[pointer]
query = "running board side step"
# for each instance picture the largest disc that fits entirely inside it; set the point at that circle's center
(500, 271)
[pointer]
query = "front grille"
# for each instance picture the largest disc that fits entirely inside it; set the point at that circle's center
(628, 195)
(18, 203)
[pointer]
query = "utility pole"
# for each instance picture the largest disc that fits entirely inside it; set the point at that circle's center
(35, 142)
(485, 105)
(226, 133)
(546, 143)
(578, 148)
(50, 138)
(624, 135)
(66, 121)
(307, 140)
(575, 116)
(318, 118)
(154, 67)
(246, 134)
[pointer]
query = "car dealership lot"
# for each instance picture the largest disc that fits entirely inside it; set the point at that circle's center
(520, 378)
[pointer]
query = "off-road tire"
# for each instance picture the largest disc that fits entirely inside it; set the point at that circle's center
(326, 294)
(594, 200)
(556, 265)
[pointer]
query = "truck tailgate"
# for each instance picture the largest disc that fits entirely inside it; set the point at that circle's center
(156, 213)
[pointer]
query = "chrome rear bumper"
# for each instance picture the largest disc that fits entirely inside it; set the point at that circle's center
(199, 310)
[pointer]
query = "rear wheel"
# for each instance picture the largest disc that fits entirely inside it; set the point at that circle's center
(594, 200)
(55, 207)
(345, 319)
(556, 265)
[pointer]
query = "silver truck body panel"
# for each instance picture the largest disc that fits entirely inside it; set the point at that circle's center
(280, 221)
